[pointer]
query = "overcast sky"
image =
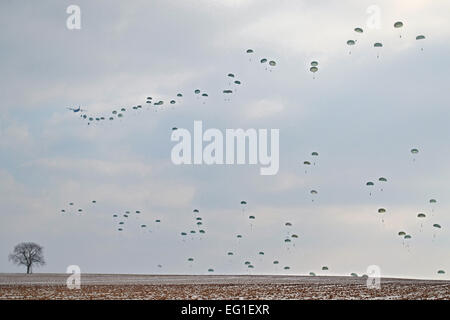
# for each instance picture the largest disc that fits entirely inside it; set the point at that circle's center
(363, 115)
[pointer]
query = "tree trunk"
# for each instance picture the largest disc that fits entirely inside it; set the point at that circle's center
(28, 269)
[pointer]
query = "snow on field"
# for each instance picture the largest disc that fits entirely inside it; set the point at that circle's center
(102, 286)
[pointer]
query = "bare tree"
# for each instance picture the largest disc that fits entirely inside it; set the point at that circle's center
(28, 254)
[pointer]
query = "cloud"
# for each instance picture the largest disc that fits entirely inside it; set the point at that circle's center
(282, 182)
(263, 108)
(16, 136)
(94, 167)
(362, 115)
